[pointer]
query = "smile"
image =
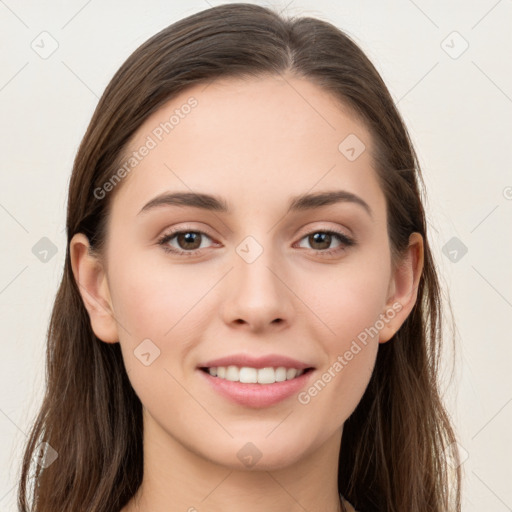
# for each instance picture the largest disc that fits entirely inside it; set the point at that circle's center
(253, 393)
(248, 375)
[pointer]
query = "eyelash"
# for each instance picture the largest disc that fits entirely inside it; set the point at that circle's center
(344, 239)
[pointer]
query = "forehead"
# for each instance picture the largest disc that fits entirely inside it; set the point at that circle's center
(249, 139)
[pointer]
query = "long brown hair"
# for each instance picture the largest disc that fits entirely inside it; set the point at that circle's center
(394, 445)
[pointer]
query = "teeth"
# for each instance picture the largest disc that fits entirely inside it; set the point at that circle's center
(249, 375)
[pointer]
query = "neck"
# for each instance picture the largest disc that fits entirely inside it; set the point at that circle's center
(178, 479)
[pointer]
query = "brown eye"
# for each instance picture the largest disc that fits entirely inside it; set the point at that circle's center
(186, 242)
(320, 242)
(189, 240)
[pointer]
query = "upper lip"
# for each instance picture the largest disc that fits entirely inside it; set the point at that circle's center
(270, 360)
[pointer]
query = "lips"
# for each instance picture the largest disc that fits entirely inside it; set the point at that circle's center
(257, 395)
(261, 394)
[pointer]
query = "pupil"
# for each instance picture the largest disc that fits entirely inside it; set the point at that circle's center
(190, 238)
(321, 236)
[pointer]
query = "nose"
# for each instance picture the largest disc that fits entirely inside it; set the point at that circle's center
(257, 296)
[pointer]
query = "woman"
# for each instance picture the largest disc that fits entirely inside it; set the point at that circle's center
(249, 316)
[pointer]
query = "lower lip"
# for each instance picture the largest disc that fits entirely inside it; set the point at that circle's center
(257, 395)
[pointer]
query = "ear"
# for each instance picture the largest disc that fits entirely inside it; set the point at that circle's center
(92, 283)
(403, 288)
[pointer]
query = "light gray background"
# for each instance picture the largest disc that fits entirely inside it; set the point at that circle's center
(458, 108)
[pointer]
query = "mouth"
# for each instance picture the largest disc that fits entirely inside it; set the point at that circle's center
(250, 375)
(256, 388)
(256, 381)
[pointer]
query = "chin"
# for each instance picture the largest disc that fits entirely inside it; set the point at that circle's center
(257, 455)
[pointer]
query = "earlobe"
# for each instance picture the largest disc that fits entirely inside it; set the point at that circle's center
(92, 283)
(403, 288)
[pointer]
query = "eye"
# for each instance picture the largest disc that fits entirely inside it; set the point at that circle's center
(321, 240)
(189, 241)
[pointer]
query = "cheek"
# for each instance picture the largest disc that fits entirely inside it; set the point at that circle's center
(347, 298)
(150, 300)
(349, 301)
(148, 308)
(350, 307)
(333, 396)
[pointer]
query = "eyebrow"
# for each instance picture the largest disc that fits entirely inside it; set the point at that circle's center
(218, 204)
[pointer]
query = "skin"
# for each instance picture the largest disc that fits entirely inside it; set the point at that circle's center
(257, 143)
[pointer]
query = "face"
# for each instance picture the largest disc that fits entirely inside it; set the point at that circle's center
(272, 274)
